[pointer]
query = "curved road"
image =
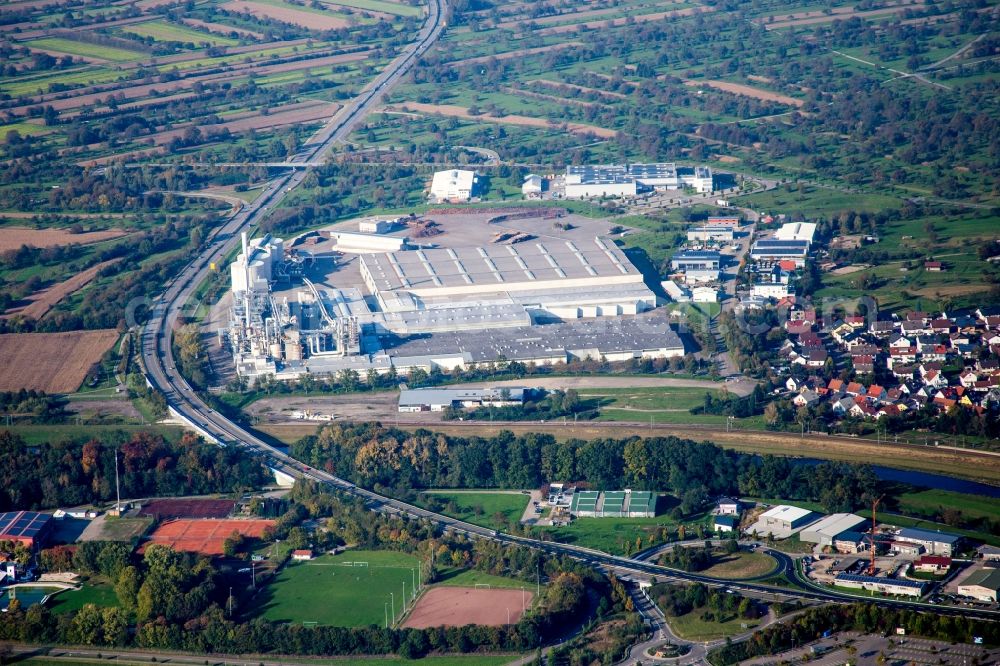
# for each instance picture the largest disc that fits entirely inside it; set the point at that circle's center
(162, 375)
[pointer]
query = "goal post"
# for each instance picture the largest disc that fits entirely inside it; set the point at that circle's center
(484, 586)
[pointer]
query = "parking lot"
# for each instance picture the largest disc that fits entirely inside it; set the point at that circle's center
(866, 650)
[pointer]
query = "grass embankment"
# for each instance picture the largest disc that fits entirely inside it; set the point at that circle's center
(692, 627)
(741, 565)
(471, 578)
(41, 434)
(480, 508)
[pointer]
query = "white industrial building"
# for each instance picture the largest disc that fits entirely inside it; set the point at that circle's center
(704, 295)
(454, 186)
(721, 233)
(825, 531)
(782, 521)
(796, 231)
(982, 584)
(561, 278)
(628, 180)
(932, 542)
(375, 226)
(531, 188)
(896, 586)
(348, 241)
(442, 308)
(774, 290)
(773, 251)
(437, 400)
(697, 265)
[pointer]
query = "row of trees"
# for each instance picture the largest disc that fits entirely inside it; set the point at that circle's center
(81, 470)
(399, 462)
(677, 600)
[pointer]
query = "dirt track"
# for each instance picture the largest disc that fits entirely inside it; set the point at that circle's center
(524, 121)
(839, 13)
(639, 18)
(46, 299)
(292, 114)
(303, 19)
(746, 91)
(12, 238)
(515, 54)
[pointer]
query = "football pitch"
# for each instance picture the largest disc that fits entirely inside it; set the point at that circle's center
(351, 589)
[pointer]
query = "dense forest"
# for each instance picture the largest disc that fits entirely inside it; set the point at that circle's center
(81, 470)
(398, 462)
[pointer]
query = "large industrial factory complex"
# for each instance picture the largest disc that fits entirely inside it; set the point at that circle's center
(338, 300)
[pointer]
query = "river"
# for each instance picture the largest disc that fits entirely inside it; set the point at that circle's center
(923, 479)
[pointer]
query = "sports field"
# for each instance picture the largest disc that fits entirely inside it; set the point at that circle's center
(459, 606)
(205, 536)
(351, 589)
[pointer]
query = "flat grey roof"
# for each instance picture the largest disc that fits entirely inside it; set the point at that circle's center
(498, 265)
(583, 337)
(927, 535)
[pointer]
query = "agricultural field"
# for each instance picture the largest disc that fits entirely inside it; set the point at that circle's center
(50, 362)
(164, 31)
(335, 590)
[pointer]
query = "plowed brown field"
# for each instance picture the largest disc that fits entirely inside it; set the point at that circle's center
(50, 362)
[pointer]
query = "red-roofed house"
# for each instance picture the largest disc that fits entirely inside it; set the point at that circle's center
(934, 564)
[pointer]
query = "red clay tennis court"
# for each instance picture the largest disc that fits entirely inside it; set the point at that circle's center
(205, 536)
(165, 509)
(459, 606)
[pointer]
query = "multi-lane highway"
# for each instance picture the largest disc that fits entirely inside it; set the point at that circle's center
(162, 375)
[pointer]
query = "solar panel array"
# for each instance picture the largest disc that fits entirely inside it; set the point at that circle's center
(23, 524)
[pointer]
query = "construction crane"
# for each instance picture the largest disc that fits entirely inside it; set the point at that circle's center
(874, 542)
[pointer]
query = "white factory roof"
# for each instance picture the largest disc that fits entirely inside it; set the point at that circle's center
(785, 512)
(453, 180)
(438, 396)
(836, 523)
(803, 231)
(499, 266)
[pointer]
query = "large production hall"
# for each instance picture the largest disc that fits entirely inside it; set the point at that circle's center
(441, 291)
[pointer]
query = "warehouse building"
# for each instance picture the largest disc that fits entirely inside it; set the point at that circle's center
(563, 278)
(628, 180)
(437, 400)
(773, 251)
(896, 586)
(783, 521)
(825, 531)
(717, 234)
(455, 186)
(983, 585)
(932, 543)
(796, 231)
(697, 265)
(30, 528)
(532, 186)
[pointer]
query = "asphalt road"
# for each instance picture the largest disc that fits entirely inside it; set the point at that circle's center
(162, 375)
